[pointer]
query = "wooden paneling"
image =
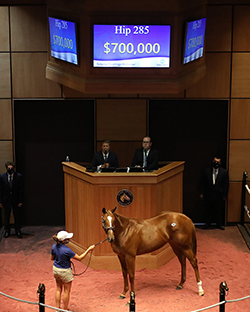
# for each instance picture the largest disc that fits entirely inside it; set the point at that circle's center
(5, 91)
(218, 28)
(241, 75)
(124, 95)
(240, 117)
(121, 119)
(234, 202)
(29, 76)
(4, 29)
(6, 122)
(239, 159)
(163, 96)
(241, 28)
(168, 191)
(6, 154)
(216, 83)
(28, 28)
(70, 93)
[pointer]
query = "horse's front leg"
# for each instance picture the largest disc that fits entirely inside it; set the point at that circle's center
(130, 263)
(125, 277)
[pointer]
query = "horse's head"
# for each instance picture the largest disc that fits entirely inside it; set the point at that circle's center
(108, 223)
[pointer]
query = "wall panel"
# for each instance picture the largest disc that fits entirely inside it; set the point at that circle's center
(216, 83)
(241, 28)
(219, 28)
(239, 159)
(4, 29)
(240, 119)
(28, 28)
(241, 75)
(6, 154)
(121, 119)
(234, 202)
(5, 90)
(29, 77)
(6, 122)
(70, 93)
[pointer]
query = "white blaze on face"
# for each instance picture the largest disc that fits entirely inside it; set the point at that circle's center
(110, 219)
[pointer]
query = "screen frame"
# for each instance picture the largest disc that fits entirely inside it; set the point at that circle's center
(185, 41)
(138, 68)
(75, 23)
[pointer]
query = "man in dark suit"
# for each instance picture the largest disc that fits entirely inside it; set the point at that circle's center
(105, 158)
(11, 197)
(146, 157)
(214, 191)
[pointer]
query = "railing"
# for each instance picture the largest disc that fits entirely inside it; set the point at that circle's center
(223, 289)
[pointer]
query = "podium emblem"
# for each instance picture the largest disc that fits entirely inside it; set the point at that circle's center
(124, 198)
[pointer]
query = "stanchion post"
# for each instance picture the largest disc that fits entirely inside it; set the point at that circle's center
(41, 292)
(132, 302)
(223, 289)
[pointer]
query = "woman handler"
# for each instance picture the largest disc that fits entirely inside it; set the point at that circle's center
(61, 255)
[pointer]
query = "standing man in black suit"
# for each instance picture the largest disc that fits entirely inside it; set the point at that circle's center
(214, 191)
(105, 158)
(146, 157)
(11, 197)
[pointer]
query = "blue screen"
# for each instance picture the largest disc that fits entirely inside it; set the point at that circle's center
(131, 46)
(63, 40)
(194, 44)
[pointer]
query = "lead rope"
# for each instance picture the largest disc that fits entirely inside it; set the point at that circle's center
(72, 263)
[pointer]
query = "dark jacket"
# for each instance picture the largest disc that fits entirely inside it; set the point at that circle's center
(99, 160)
(152, 159)
(217, 191)
(14, 196)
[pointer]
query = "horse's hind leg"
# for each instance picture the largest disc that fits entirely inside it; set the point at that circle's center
(125, 277)
(193, 260)
(182, 258)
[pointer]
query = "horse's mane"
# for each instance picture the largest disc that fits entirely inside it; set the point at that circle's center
(125, 220)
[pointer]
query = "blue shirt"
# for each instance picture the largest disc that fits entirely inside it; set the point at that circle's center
(62, 254)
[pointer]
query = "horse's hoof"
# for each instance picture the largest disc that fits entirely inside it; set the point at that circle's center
(179, 287)
(128, 304)
(122, 296)
(201, 292)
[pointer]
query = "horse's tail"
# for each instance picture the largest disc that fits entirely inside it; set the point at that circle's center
(194, 242)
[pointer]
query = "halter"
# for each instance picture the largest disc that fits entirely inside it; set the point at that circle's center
(106, 229)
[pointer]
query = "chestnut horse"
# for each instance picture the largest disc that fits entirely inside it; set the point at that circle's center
(130, 237)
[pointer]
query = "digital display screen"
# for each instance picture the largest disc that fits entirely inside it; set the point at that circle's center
(194, 40)
(131, 46)
(63, 40)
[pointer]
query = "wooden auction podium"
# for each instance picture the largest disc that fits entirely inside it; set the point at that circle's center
(86, 193)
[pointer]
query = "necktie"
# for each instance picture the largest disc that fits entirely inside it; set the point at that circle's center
(145, 158)
(215, 173)
(10, 181)
(105, 158)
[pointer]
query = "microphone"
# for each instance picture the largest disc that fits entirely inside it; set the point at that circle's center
(105, 151)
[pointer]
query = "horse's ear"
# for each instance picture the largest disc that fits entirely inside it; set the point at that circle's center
(104, 210)
(113, 210)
